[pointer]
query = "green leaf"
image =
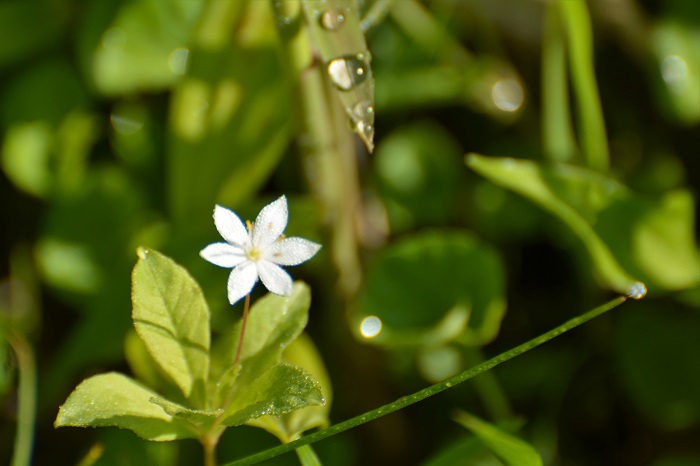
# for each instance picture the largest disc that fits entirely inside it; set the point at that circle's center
(335, 27)
(201, 419)
(273, 323)
(172, 318)
(512, 450)
(145, 47)
(116, 400)
(400, 291)
(290, 426)
(676, 45)
(26, 153)
(417, 171)
(281, 389)
(629, 237)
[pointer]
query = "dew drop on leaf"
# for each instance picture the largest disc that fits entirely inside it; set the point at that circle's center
(637, 291)
(348, 72)
(331, 21)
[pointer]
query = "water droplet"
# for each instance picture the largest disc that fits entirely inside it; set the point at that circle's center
(348, 71)
(178, 59)
(637, 291)
(371, 326)
(331, 21)
(507, 94)
(674, 70)
(363, 110)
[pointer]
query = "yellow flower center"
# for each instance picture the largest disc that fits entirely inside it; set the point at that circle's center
(254, 254)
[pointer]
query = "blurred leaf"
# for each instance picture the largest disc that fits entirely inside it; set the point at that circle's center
(281, 389)
(26, 155)
(676, 45)
(627, 235)
(29, 26)
(68, 266)
(511, 449)
(42, 160)
(146, 47)
(134, 134)
(438, 363)
(657, 358)
(229, 127)
(434, 287)
(48, 90)
(418, 167)
(172, 318)
(288, 427)
(116, 400)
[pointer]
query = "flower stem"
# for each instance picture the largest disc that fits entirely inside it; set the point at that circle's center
(244, 321)
(26, 413)
(209, 445)
(432, 390)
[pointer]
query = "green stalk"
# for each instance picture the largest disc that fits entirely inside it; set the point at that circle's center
(594, 142)
(557, 130)
(432, 390)
(328, 150)
(26, 412)
(307, 456)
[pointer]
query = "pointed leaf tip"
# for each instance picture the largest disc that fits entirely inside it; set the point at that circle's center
(141, 252)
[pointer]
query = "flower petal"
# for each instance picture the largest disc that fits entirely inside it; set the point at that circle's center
(230, 226)
(241, 281)
(223, 254)
(271, 222)
(274, 278)
(291, 251)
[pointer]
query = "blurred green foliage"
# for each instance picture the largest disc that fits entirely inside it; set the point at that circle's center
(124, 121)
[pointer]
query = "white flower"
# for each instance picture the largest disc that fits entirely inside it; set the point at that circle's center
(259, 251)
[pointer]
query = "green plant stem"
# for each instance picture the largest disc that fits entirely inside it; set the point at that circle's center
(26, 412)
(432, 390)
(328, 150)
(307, 456)
(557, 130)
(594, 142)
(209, 445)
(244, 321)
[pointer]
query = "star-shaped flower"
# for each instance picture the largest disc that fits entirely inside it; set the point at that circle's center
(258, 251)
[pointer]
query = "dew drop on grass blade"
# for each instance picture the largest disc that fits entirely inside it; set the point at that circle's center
(335, 27)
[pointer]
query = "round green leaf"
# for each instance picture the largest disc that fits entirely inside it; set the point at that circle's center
(431, 288)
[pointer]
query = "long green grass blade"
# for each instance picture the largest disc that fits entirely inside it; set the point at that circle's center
(432, 390)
